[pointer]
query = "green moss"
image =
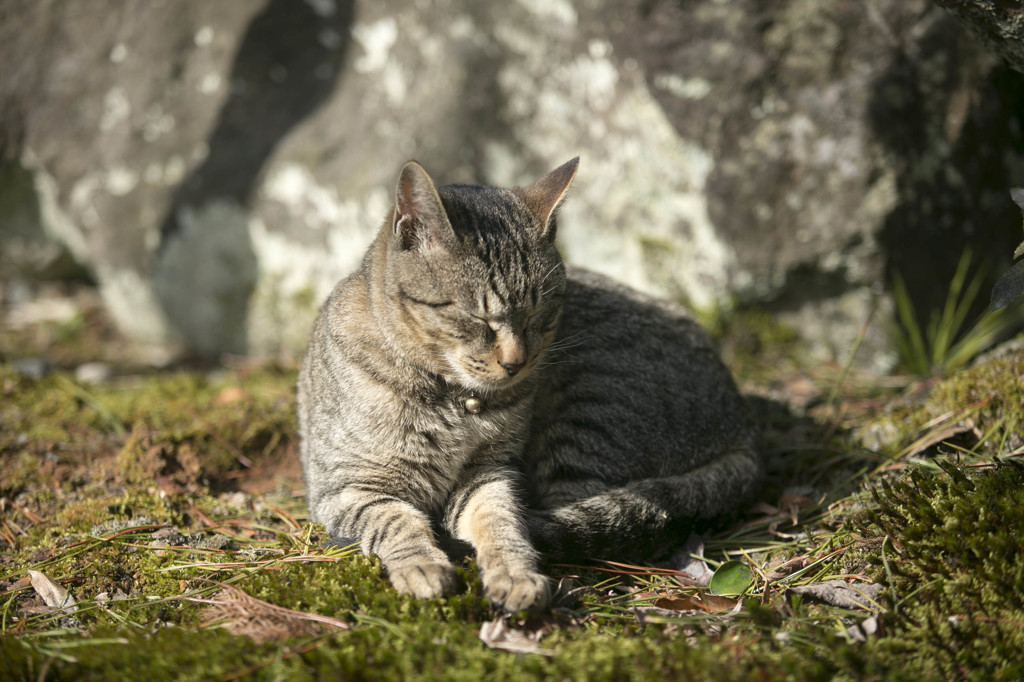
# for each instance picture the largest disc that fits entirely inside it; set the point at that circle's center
(987, 399)
(77, 457)
(109, 654)
(19, 470)
(952, 561)
(356, 585)
(997, 389)
(185, 425)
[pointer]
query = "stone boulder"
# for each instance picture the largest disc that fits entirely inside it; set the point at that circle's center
(999, 25)
(217, 167)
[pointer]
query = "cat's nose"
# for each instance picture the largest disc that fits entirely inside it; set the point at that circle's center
(510, 350)
(512, 368)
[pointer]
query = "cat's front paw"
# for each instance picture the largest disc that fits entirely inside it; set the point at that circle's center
(430, 579)
(516, 590)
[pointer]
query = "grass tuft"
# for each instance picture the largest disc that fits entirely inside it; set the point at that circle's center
(945, 344)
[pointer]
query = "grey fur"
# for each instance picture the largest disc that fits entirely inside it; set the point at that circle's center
(607, 419)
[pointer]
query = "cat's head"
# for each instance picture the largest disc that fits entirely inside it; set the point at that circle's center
(473, 277)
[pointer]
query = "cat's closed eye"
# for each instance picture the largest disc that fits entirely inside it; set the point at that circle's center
(489, 323)
(429, 304)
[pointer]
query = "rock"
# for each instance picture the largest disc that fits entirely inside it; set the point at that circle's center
(217, 167)
(93, 373)
(169, 535)
(27, 249)
(1000, 25)
(842, 594)
(117, 525)
(215, 541)
(33, 368)
(32, 310)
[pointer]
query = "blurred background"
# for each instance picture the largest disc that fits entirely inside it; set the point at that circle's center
(202, 173)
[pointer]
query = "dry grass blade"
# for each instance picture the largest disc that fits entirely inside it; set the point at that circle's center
(242, 614)
(260, 563)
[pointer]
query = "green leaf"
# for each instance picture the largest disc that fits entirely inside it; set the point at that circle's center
(732, 577)
(1009, 287)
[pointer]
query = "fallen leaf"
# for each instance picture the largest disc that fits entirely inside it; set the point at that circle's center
(682, 603)
(497, 635)
(787, 568)
(766, 509)
(842, 594)
(792, 504)
(567, 596)
(793, 500)
(1017, 194)
(689, 559)
(718, 604)
(55, 596)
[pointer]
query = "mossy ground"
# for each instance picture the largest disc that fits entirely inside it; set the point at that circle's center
(170, 505)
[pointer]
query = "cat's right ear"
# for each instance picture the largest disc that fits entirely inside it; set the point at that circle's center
(545, 195)
(419, 219)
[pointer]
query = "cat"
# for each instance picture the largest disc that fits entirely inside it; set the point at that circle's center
(466, 383)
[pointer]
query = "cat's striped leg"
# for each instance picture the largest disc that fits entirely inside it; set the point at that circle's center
(486, 513)
(397, 532)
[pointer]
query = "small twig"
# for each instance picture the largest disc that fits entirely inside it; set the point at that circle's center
(286, 516)
(8, 535)
(34, 518)
(202, 517)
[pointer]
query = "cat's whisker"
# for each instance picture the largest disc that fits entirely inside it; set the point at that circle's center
(567, 343)
(574, 341)
(561, 354)
(544, 279)
(580, 334)
(547, 291)
(551, 363)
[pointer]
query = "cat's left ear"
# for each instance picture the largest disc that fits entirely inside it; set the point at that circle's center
(545, 195)
(419, 219)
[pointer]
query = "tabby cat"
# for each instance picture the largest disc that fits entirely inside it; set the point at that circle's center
(464, 383)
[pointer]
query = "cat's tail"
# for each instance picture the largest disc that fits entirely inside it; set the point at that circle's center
(647, 516)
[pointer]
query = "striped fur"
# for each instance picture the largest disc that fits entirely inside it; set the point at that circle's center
(608, 422)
